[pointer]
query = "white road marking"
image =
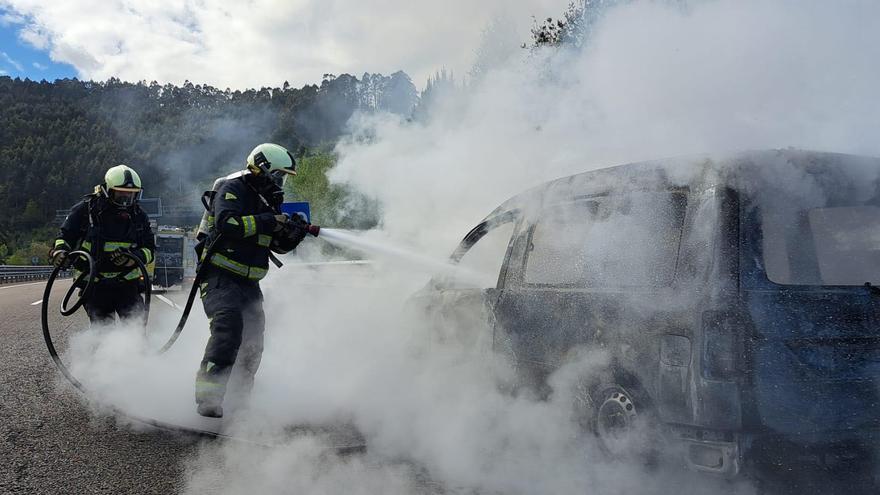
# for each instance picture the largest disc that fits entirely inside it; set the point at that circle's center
(37, 302)
(168, 302)
(21, 285)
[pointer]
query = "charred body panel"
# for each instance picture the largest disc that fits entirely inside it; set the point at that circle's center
(732, 363)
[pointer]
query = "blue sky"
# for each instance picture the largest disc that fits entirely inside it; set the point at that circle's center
(18, 59)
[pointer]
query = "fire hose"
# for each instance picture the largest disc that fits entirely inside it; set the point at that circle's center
(84, 282)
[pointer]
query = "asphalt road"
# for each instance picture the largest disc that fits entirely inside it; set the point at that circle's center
(49, 441)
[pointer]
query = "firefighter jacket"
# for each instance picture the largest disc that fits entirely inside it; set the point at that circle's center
(246, 225)
(99, 227)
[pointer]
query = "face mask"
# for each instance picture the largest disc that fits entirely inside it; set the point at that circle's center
(124, 198)
(278, 177)
(269, 188)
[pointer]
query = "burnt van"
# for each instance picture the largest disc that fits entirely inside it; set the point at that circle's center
(737, 299)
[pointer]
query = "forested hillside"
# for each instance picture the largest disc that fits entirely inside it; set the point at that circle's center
(57, 138)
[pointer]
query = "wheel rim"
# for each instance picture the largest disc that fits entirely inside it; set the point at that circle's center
(615, 419)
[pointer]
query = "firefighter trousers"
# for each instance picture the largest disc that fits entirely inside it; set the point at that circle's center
(109, 298)
(234, 307)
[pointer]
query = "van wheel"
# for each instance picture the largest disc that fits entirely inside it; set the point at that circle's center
(623, 423)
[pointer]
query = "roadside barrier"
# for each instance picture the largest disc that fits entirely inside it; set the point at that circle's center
(23, 273)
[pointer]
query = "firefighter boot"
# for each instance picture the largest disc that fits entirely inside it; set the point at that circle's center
(210, 388)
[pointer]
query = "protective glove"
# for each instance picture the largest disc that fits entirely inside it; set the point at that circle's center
(298, 233)
(297, 222)
(58, 256)
(281, 222)
(119, 258)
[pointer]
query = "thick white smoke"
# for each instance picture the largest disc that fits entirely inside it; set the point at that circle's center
(653, 81)
(435, 416)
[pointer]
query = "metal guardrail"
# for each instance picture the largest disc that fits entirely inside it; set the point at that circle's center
(23, 273)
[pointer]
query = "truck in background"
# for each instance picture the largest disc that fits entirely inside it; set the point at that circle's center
(175, 257)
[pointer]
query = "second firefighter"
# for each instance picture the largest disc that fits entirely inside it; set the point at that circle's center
(108, 224)
(244, 224)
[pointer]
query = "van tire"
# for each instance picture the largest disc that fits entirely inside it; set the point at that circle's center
(623, 421)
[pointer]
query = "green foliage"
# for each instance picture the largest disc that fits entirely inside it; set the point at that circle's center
(576, 24)
(35, 249)
(18, 244)
(33, 215)
(332, 205)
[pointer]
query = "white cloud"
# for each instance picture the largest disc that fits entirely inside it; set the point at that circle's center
(40, 66)
(7, 19)
(35, 37)
(3, 72)
(11, 61)
(264, 42)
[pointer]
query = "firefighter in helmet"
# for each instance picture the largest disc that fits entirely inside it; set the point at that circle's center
(108, 223)
(244, 224)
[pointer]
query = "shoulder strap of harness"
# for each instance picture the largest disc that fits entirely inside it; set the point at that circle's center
(92, 232)
(208, 200)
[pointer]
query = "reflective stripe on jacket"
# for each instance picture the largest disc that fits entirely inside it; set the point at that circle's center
(246, 225)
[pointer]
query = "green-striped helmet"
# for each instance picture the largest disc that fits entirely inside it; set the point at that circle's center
(272, 161)
(122, 185)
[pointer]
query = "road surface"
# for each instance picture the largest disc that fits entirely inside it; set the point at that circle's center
(49, 442)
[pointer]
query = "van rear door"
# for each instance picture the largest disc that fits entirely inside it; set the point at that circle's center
(810, 261)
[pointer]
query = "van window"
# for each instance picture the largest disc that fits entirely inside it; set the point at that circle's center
(617, 241)
(837, 245)
(480, 266)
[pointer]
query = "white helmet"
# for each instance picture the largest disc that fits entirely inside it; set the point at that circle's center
(122, 185)
(273, 160)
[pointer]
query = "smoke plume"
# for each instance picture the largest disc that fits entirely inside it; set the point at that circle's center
(438, 415)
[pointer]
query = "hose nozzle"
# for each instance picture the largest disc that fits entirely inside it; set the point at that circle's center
(314, 230)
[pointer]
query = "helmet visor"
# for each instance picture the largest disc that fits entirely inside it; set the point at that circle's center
(124, 197)
(279, 176)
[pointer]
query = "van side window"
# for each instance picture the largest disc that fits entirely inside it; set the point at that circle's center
(480, 265)
(617, 241)
(831, 245)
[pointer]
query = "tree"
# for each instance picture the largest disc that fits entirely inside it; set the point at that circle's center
(399, 95)
(440, 90)
(332, 205)
(33, 215)
(35, 250)
(575, 26)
